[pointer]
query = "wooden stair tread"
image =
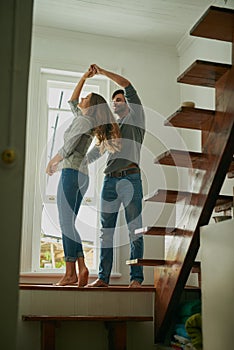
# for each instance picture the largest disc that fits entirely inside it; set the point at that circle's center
(185, 159)
(216, 23)
(173, 196)
(224, 204)
(196, 267)
(203, 73)
(158, 231)
(188, 159)
(189, 288)
(147, 262)
(167, 196)
(230, 174)
(191, 118)
(160, 262)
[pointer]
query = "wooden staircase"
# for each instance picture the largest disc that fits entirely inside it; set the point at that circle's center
(208, 170)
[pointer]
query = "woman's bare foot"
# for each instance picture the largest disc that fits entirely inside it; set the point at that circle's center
(83, 277)
(67, 280)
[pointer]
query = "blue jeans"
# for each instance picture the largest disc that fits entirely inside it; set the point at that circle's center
(71, 189)
(126, 190)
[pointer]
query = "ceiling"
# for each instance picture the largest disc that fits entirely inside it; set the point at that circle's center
(161, 21)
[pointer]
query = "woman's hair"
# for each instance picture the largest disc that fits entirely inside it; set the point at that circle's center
(106, 129)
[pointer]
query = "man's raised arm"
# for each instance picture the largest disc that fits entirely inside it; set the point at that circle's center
(118, 79)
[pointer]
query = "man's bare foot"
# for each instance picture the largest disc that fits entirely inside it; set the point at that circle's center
(83, 277)
(67, 280)
(134, 284)
(98, 283)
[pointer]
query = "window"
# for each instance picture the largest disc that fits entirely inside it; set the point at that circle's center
(59, 118)
(45, 136)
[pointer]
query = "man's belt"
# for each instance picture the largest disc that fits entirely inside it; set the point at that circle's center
(124, 172)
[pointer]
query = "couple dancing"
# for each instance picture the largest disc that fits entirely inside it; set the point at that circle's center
(122, 140)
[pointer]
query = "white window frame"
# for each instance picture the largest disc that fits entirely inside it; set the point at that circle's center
(36, 138)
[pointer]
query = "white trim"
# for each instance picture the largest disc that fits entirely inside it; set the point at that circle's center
(184, 44)
(67, 73)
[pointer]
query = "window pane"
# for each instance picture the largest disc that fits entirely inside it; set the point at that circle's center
(51, 255)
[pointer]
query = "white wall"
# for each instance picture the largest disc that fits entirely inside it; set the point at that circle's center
(217, 243)
(153, 71)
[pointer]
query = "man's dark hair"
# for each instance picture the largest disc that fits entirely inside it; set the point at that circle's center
(116, 92)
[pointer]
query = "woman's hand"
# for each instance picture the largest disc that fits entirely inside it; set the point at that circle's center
(90, 73)
(51, 168)
(97, 69)
(53, 165)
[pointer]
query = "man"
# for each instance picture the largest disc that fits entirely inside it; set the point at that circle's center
(122, 183)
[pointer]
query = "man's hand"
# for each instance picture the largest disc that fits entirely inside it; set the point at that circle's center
(90, 73)
(118, 79)
(97, 69)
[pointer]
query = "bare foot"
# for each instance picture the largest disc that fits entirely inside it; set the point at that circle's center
(97, 283)
(67, 280)
(83, 277)
(134, 284)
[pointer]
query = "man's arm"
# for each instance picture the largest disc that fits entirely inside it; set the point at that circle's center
(130, 94)
(94, 154)
(118, 79)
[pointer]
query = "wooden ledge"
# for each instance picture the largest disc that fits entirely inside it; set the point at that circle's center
(87, 318)
(111, 288)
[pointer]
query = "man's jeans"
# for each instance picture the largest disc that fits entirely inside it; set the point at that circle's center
(71, 189)
(128, 191)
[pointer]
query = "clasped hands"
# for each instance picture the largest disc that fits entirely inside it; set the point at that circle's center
(93, 69)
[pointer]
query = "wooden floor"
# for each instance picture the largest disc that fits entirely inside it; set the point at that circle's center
(111, 288)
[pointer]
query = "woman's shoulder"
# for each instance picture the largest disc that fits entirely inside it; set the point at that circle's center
(83, 123)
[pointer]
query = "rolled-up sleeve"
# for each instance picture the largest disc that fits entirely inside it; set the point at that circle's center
(73, 106)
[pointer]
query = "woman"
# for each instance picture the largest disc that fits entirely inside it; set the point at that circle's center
(93, 117)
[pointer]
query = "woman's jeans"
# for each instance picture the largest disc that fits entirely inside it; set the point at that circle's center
(125, 190)
(71, 190)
